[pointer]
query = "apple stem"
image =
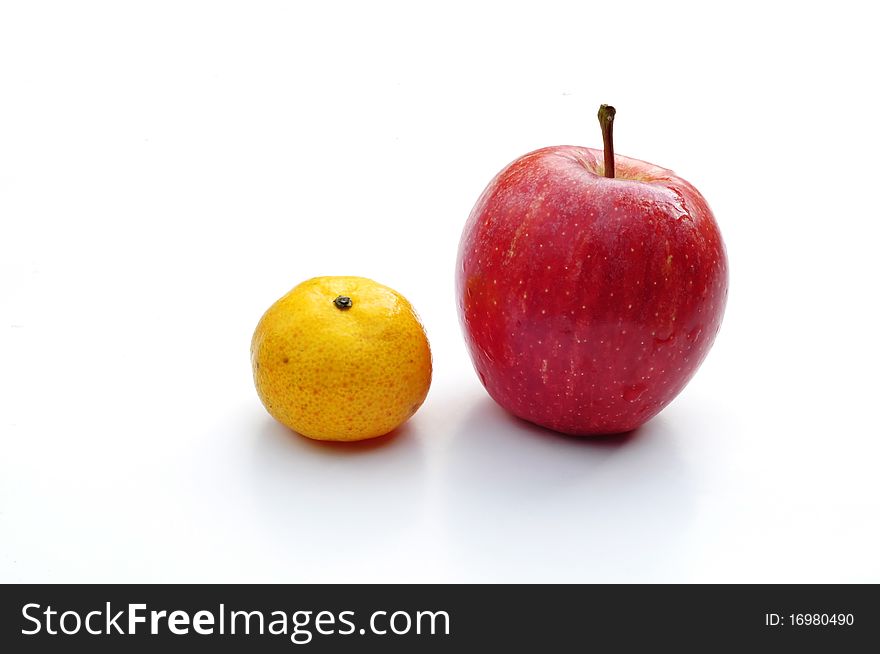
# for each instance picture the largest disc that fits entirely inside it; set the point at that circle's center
(606, 121)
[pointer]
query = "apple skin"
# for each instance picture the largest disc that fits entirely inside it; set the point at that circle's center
(587, 302)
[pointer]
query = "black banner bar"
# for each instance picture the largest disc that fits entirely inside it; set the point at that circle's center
(436, 618)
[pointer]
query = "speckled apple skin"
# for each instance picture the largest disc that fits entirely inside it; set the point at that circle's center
(588, 303)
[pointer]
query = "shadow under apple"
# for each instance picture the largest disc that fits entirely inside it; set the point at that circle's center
(524, 503)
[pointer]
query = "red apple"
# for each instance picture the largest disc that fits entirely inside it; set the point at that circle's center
(590, 287)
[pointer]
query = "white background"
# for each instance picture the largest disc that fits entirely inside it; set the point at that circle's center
(169, 169)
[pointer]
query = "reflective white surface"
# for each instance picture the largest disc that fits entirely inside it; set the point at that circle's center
(166, 173)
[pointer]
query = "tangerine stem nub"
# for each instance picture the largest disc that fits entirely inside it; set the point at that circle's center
(342, 302)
